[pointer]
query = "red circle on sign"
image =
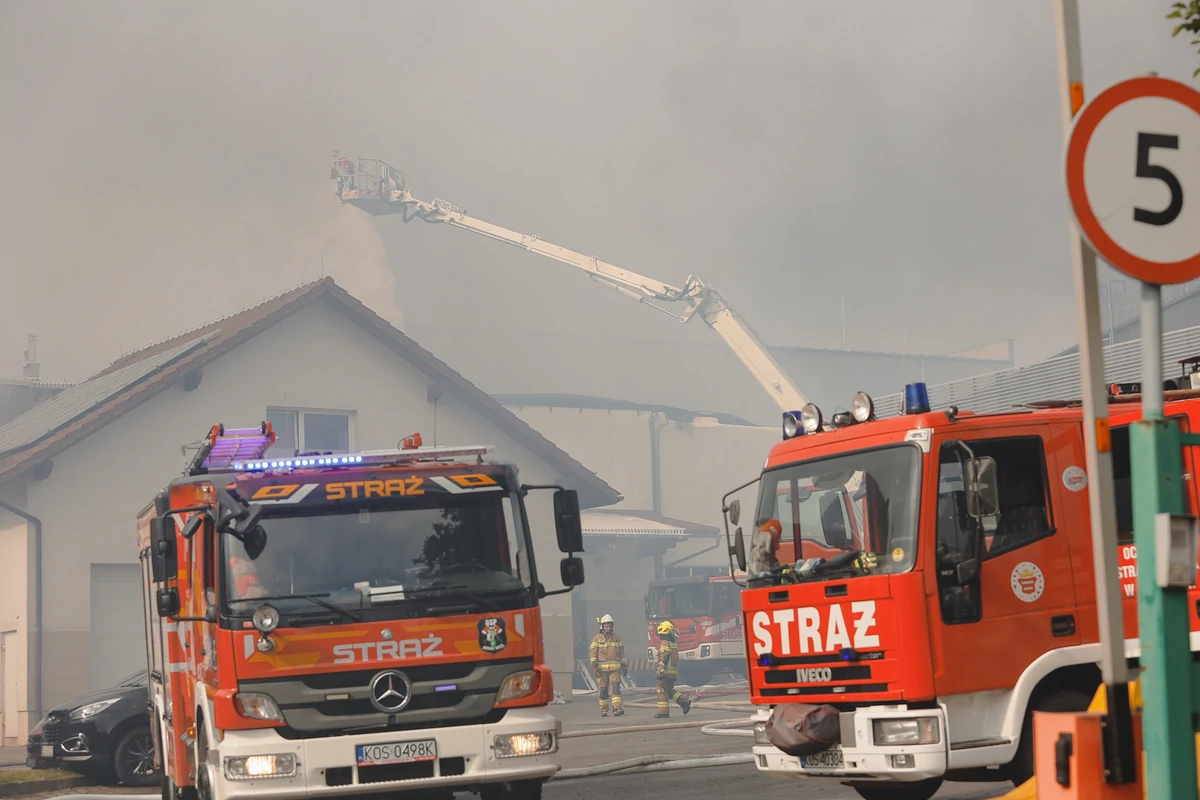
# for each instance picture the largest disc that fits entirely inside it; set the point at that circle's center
(1085, 125)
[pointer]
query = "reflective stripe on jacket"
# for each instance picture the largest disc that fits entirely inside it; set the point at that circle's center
(608, 653)
(668, 659)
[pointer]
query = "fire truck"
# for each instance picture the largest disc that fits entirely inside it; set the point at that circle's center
(921, 584)
(341, 624)
(708, 615)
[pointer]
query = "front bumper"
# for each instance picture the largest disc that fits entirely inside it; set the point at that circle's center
(77, 745)
(327, 766)
(861, 759)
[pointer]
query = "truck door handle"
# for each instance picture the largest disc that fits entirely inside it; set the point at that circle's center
(1063, 625)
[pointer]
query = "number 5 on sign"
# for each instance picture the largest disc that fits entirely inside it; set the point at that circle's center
(1133, 178)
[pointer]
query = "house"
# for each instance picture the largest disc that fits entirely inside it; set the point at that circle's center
(75, 470)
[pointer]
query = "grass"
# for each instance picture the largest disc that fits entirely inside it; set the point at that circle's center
(25, 775)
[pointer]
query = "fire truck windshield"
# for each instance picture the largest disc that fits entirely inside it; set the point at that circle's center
(863, 501)
(380, 552)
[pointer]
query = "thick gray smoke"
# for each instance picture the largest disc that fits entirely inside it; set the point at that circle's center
(167, 163)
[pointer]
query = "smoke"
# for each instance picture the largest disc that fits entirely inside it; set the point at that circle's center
(164, 169)
(167, 163)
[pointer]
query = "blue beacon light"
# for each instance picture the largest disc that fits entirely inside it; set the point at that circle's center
(916, 399)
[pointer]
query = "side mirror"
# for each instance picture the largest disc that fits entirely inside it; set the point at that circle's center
(210, 614)
(571, 570)
(168, 602)
(254, 542)
(193, 524)
(568, 526)
(162, 549)
(735, 512)
(967, 571)
(983, 497)
(739, 548)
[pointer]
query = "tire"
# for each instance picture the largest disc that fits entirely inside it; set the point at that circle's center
(915, 790)
(1020, 769)
(133, 759)
(518, 790)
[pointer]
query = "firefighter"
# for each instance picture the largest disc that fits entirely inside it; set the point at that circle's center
(668, 671)
(608, 665)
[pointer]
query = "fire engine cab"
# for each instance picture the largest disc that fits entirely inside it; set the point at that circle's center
(341, 624)
(921, 584)
(708, 616)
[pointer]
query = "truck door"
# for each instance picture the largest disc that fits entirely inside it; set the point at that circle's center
(985, 633)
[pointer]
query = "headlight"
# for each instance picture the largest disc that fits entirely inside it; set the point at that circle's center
(791, 424)
(760, 734)
(922, 730)
(265, 618)
(810, 418)
(249, 768)
(516, 686)
(512, 745)
(863, 407)
(91, 710)
(258, 706)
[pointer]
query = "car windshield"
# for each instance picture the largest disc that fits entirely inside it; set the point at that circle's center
(686, 600)
(371, 552)
(865, 501)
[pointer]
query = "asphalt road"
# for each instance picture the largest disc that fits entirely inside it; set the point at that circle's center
(734, 781)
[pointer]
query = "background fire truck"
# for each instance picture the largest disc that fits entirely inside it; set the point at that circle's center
(956, 596)
(324, 624)
(708, 615)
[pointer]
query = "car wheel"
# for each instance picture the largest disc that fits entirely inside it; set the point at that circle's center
(133, 761)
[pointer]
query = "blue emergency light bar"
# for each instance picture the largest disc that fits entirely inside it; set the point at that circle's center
(364, 458)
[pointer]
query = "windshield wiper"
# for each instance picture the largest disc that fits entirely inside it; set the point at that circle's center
(454, 592)
(314, 597)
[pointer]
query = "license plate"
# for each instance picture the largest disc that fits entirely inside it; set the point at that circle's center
(372, 755)
(832, 758)
(47, 751)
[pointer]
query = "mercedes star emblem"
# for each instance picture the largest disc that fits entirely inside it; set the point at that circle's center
(390, 691)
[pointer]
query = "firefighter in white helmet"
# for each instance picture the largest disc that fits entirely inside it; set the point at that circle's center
(608, 664)
(667, 671)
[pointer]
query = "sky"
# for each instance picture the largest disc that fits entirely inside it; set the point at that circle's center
(168, 163)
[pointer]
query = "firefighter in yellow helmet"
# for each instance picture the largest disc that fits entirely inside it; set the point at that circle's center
(608, 664)
(668, 671)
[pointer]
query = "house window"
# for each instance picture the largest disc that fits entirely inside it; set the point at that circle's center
(309, 431)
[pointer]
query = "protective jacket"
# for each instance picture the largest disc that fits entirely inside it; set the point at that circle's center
(668, 659)
(608, 653)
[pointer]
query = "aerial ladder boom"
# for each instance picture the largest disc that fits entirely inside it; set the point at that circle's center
(379, 189)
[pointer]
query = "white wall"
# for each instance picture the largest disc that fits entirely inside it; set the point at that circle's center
(16, 538)
(316, 359)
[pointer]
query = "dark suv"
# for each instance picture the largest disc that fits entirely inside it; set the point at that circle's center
(105, 733)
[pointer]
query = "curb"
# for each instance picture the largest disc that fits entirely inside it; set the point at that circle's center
(36, 787)
(653, 764)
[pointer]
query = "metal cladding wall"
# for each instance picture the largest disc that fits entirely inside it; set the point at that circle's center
(1056, 379)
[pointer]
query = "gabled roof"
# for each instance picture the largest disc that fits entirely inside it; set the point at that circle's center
(131, 380)
(611, 404)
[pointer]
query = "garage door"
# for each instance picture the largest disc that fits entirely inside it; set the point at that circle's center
(118, 631)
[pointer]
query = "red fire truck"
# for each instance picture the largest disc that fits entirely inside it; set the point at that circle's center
(324, 624)
(926, 582)
(708, 615)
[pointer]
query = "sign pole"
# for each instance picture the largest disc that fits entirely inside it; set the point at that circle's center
(1119, 760)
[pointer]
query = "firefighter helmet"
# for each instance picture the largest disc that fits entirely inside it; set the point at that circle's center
(607, 618)
(665, 628)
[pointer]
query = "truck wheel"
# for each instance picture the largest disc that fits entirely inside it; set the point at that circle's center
(915, 790)
(518, 790)
(133, 761)
(1021, 767)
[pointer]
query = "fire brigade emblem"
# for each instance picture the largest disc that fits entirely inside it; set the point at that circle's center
(1028, 583)
(492, 635)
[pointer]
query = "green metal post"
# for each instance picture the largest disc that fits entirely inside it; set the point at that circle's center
(1163, 624)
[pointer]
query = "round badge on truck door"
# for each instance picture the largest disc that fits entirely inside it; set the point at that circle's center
(493, 634)
(1028, 583)
(1074, 478)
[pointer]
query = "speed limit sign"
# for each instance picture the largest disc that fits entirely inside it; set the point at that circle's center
(1133, 178)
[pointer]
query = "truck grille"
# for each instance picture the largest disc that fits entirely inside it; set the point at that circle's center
(462, 693)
